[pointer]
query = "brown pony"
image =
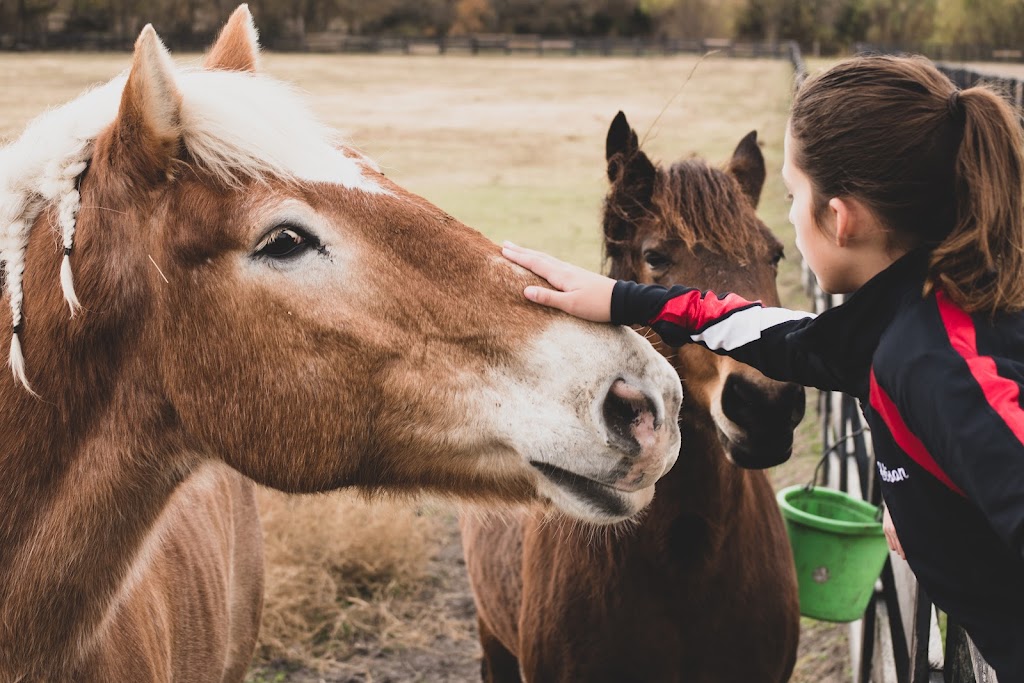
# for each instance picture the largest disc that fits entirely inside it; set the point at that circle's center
(702, 588)
(252, 301)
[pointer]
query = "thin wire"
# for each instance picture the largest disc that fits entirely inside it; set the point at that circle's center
(678, 92)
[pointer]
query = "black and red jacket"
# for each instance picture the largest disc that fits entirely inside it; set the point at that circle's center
(941, 390)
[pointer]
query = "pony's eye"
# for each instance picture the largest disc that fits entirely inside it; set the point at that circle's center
(285, 242)
(656, 260)
(778, 256)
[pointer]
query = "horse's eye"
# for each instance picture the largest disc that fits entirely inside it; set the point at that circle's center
(285, 242)
(778, 256)
(656, 260)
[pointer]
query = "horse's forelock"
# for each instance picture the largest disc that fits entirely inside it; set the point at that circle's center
(691, 202)
(705, 206)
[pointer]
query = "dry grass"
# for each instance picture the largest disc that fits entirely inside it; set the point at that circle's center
(334, 565)
(344, 576)
(515, 148)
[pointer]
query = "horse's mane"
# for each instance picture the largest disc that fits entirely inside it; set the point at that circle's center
(703, 205)
(235, 126)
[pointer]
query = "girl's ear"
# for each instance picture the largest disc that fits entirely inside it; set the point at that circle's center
(851, 220)
(843, 221)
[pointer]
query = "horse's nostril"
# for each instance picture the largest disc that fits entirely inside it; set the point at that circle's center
(625, 408)
(740, 399)
(748, 404)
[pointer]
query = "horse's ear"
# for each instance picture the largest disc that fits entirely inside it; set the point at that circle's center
(632, 176)
(622, 152)
(147, 129)
(747, 166)
(237, 47)
(621, 138)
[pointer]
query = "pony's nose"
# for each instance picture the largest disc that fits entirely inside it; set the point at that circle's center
(632, 418)
(793, 396)
(749, 405)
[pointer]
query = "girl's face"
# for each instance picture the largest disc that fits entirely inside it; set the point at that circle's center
(815, 242)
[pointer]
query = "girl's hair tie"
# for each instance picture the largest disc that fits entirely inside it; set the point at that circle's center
(955, 106)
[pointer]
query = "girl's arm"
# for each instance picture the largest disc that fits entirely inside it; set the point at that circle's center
(760, 336)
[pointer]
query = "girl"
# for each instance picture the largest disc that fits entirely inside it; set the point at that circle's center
(909, 194)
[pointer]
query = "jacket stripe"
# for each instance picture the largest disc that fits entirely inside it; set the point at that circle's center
(694, 311)
(903, 437)
(744, 326)
(723, 324)
(1002, 394)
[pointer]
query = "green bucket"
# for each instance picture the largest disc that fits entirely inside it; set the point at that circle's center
(839, 548)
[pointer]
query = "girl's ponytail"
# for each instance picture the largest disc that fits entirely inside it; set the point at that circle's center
(980, 264)
(941, 168)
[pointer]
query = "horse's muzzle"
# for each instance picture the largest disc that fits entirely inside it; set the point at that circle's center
(636, 426)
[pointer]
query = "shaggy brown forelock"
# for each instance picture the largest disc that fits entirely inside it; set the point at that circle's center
(694, 203)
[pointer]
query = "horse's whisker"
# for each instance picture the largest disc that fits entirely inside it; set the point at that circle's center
(106, 208)
(158, 269)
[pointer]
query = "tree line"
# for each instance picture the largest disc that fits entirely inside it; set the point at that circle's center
(831, 25)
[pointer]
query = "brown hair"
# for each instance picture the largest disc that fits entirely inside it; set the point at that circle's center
(939, 167)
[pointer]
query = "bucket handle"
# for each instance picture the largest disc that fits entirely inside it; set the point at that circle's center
(828, 451)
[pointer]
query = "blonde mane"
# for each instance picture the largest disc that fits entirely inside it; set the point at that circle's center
(236, 126)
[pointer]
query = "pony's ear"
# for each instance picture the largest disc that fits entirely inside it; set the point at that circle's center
(621, 138)
(622, 152)
(632, 176)
(747, 166)
(147, 129)
(237, 47)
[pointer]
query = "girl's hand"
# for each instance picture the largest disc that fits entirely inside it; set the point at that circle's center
(577, 291)
(890, 534)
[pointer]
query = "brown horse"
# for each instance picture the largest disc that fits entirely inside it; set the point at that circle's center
(703, 588)
(251, 299)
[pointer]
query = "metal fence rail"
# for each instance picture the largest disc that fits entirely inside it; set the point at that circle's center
(950, 53)
(963, 77)
(1011, 88)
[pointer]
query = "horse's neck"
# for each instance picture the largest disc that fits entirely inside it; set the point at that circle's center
(702, 477)
(79, 502)
(697, 500)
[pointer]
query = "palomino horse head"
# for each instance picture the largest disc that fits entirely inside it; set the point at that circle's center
(695, 225)
(244, 288)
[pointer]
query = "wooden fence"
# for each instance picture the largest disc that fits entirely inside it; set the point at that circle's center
(898, 640)
(507, 44)
(950, 53)
(532, 44)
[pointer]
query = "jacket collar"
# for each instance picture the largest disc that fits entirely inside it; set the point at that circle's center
(846, 336)
(908, 270)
